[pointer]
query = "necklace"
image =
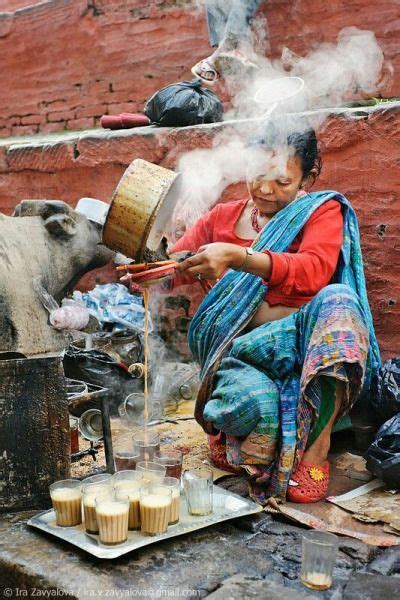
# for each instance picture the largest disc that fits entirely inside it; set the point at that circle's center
(254, 219)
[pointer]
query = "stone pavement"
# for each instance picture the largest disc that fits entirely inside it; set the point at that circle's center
(252, 557)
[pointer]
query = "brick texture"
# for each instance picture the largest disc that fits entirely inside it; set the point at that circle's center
(71, 59)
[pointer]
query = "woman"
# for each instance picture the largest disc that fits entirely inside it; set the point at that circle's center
(285, 338)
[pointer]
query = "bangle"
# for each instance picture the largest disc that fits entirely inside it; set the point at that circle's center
(249, 252)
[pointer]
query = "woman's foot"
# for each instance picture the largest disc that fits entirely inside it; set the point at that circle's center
(309, 483)
(206, 71)
(235, 63)
(232, 57)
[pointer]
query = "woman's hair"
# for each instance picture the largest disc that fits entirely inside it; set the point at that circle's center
(289, 132)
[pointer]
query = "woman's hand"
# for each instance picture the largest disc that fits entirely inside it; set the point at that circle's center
(212, 260)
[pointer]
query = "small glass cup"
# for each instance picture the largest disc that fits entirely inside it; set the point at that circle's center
(198, 486)
(134, 405)
(126, 459)
(125, 455)
(66, 498)
(91, 488)
(95, 480)
(319, 550)
(150, 471)
(171, 460)
(123, 479)
(112, 517)
(155, 508)
(146, 444)
(175, 486)
(130, 486)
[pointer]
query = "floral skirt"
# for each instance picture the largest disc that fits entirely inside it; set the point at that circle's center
(270, 386)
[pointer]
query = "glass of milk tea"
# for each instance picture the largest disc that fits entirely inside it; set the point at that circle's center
(112, 514)
(155, 508)
(175, 486)
(150, 471)
(129, 483)
(91, 488)
(66, 499)
(319, 549)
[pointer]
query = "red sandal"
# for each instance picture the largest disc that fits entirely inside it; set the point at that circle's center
(309, 483)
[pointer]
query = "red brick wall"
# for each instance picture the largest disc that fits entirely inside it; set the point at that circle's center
(66, 62)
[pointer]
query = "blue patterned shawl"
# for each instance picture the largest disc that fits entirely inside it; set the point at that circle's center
(236, 297)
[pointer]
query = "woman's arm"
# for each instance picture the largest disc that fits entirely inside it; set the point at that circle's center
(213, 259)
(306, 271)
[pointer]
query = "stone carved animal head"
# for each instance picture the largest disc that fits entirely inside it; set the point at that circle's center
(49, 242)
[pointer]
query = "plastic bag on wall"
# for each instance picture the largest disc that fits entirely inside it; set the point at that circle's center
(183, 104)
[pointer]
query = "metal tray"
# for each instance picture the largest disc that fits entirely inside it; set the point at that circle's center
(226, 506)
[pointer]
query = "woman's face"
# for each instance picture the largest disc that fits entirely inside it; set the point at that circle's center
(270, 193)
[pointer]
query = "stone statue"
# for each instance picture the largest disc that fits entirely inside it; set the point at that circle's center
(49, 243)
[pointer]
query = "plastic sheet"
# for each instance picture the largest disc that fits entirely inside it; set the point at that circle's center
(112, 303)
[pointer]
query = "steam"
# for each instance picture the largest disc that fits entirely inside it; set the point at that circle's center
(332, 73)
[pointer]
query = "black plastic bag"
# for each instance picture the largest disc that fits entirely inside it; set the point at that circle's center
(183, 104)
(383, 455)
(385, 391)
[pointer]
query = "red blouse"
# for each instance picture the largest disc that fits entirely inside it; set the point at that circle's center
(298, 274)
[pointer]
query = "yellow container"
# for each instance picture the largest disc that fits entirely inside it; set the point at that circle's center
(140, 208)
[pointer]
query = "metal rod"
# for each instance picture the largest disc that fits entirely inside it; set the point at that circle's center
(105, 416)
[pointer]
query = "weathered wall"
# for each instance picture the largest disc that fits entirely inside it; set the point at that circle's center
(12, 5)
(361, 158)
(70, 61)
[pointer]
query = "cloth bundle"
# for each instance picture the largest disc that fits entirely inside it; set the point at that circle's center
(124, 121)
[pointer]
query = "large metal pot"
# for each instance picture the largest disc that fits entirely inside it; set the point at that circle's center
(140, 209)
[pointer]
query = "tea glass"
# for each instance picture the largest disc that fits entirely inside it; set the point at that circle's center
(150, 471)
(198, 486)
(66, 498)
(319, 549)
(171, 460)
(112, 514)
(146, 444)
(155, 508)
